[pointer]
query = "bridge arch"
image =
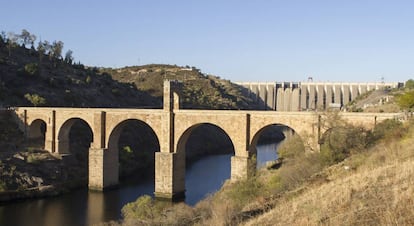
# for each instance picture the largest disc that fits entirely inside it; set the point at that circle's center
(131, 146)
(118, 129)
(184, 138)
(213, 145)
(271, 133)
(36, 132)
(284, 130)
(66, 129)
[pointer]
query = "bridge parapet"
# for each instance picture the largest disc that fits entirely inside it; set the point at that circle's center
(172, 127)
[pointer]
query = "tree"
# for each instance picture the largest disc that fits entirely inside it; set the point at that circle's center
(3, 38)
(12, 40)
(56, 51)
(35, 99)
(406, 100)
(47, 49)
(27, 38)
(41, 50)
(57, 48)
(68, 57)
(409, 84)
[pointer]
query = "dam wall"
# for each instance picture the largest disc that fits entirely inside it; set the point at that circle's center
(307, 96)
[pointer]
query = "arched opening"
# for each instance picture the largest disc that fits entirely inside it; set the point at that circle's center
(74, 140)
(134, 143)
(267, 142)
(36, 134)
(208, 150)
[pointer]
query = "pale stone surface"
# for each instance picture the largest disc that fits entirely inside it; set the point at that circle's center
(96, 161)
(103, 168)
(285, 96)
(240, 167)
(169, 175)
(172, 127)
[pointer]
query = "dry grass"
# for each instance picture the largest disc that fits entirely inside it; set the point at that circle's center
(372, 188)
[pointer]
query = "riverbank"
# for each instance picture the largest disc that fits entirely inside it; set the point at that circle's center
(35, 174)
(355, 186)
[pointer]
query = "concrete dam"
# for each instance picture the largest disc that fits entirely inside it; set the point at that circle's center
(308, 96)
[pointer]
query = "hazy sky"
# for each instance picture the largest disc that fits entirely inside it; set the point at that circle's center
(256, 40)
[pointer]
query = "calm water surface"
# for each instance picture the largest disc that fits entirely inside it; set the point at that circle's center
(82, 207)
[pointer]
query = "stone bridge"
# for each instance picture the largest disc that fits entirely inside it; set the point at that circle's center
(172, 127)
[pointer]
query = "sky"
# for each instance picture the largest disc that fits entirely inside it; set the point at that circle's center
(239, 40)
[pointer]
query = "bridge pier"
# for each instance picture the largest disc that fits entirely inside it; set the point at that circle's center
(50, 144)
(241, 167)
(103, 168)
(169, 176)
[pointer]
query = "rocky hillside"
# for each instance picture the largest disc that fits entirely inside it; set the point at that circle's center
(375, 101)
(200, 91)
(29, 77)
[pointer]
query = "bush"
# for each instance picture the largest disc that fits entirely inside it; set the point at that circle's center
(388, 129)
(291, 147)
(143, 208)
(32, 159)
(245, 191)
(409, 84)
(35, 99)
(339, 142)
(406, 100)
(88, 80)
(31, 69)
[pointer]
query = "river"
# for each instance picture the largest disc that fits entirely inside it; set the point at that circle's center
(83, 207)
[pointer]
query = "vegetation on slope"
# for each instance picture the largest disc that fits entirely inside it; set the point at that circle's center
(30, 171)
(373, 187)
(385, 100)
(37, 75)
(42, 77)
(200, 91)
(348, 183)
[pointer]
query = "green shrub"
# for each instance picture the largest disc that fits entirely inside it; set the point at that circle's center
(143, 208)
(406, 100)
(245, 191)
(32, 159)
(291, 147)
(339, 142)
(35, 99)
(31, 69)
(88, 80)
(409, 84)
(388, 129)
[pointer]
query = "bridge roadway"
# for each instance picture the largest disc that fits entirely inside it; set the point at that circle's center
(172, 127)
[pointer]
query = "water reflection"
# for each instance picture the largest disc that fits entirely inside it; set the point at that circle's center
(82, 207)
(206, 176)
(266, 153)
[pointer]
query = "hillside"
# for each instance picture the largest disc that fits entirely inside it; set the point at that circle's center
(29, 77)
(371, 188)
(367, 180)
(35, 77)
(382, 100)
(200, 91)
(54, 82)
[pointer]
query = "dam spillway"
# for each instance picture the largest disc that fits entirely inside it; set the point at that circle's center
(308, 96)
